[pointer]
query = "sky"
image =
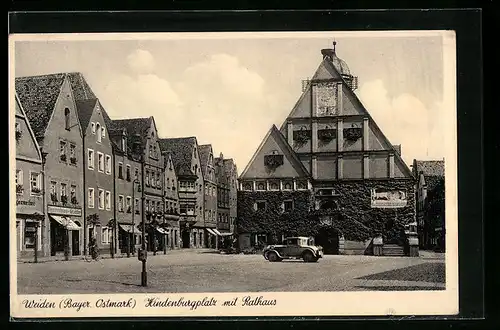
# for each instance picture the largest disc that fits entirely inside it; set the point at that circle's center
(229, 90)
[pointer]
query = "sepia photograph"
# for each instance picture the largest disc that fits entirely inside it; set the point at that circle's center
(179, 172)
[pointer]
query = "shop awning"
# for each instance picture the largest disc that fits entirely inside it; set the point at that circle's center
(66, 222)
(211, 231)
(222, 234)
(161, 230)
(130, 228)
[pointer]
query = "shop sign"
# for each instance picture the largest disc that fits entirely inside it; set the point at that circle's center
(64, 210)
(25, 202)
(384, 198)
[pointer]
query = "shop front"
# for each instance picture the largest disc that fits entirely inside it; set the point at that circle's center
(66, 230)
(29, 219)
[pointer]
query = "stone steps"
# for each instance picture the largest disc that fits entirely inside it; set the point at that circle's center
(393, 250)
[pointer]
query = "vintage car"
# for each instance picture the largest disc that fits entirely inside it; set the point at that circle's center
(294, 248)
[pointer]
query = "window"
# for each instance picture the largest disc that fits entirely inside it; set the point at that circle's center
(29, 235)
(100, 162)
(35, 183)
(128, 172)
(108, 200)
(63, 190)
(120, 203)
(274, 185)
(99, 134)
(153, 179)
(120, 170)
(66, 119)
(287, 206)
(136, 174)
(103, 130)
(147, 178)
(104, 235)
(108, 164)
(136, 206)
(92, 125)
(101, 199)
(247, 186)
(302, 185)
(260, 205)
(213, 191)
(261, 186)
(153, 209)
(62, 150)
(128, 204)
(288, 186)
(73, 194)
(72, 153)
(90, 158)
(158, 206)
(124, 144)
(91, 198)
(158, 180)
(19, 177)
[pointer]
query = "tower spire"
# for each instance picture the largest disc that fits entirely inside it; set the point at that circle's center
(334, 44)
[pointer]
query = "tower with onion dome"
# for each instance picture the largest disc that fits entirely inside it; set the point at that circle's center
(360, 190)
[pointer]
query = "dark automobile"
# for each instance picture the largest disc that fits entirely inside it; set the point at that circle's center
(294, 248)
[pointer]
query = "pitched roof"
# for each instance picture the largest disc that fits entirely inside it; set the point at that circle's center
(84, 109)
(136, 127)
(181, 152)
(38, 96)
(278, 136)
(204, 151)
(429, 167)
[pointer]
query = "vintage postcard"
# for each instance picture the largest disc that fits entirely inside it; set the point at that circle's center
(233, 174)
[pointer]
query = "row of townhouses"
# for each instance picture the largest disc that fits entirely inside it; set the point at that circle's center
(82, 175)
(330, 172)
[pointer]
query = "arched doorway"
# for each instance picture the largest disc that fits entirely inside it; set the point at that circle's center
(328, 238)
(186, 238)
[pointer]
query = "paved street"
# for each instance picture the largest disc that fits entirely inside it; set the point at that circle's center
(205, 271)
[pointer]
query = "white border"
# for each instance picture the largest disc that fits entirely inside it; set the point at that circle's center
(288, 303)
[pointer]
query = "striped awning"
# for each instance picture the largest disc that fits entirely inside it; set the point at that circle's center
(66, 222)
(129, 228)
(211, 231)
(222, 234)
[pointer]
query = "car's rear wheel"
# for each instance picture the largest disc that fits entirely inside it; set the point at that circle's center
(309, 257)
(273, 257)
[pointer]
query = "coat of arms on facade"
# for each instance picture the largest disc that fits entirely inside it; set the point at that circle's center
(327, 134)
(274, 160)
(326, 97)
(353, 133)
(302, 135)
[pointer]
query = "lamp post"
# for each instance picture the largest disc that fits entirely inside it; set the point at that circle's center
(44, 159)
(133, 215)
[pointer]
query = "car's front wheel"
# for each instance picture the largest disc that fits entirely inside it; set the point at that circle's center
(273, 257)
(309, 257)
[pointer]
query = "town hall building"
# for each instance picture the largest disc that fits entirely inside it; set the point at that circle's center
(329, 172)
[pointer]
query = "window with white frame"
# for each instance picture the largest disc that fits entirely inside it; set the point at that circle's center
(73, 194)
(287, 206)
(260, 206)
(158, 180)
(64, 190)
(103, 131)
(90, 159)
(128, 172)
(101, 199)
(108, 164)
(128, 204)
(147, 178)
(19, 178)
(100, 162)
(35, 182)
(153, 179)
(62, 150)
(91, 198)
(104, 235)
(136, 174)
(92, 125)
(120, 203)
(120, 170)
(72, 153)
(136, 206)
(108, 200)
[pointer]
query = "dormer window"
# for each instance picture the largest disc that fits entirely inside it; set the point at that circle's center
(124, 144)
(66, 118)
(103, 129)
(92, 125)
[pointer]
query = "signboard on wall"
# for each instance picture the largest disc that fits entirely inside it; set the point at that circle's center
(385, 198)
(77, 212)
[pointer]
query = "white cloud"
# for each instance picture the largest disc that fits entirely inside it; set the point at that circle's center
(406, 120)
(143, 96)
(141, 61)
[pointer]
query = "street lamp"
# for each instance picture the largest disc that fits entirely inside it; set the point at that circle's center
(144, 274)
(44, 159)
(133, 214)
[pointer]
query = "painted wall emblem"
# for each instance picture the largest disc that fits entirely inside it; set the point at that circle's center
(384, 198)
(326, 99)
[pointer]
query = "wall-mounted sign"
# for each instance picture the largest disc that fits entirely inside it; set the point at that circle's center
(64, 210)
(25, 202)
(384, 198)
